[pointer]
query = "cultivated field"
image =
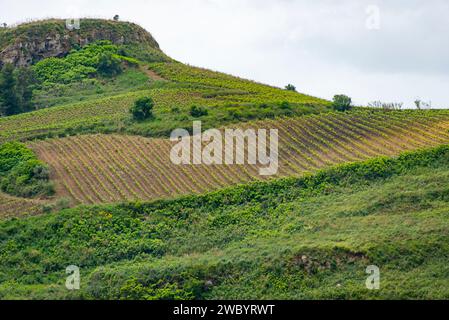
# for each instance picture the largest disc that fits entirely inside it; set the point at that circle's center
(110, 168)
(13, 206)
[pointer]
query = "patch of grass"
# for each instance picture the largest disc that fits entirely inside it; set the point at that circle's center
(89, 89)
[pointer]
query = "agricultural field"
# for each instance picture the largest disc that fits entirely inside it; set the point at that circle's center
(19, 207)
(111, 168)
(173, 100)
(296, 238)
(86, 179)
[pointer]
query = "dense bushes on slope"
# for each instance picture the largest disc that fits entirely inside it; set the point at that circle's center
(97, 58)
(310, 237)
(21, 173)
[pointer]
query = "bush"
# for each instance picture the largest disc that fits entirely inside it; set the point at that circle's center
(285, 105)
(342, 103)
(21, 173)
(109, 65)
(99, 57)
(142, 109)
(197, 112)
(290, 87)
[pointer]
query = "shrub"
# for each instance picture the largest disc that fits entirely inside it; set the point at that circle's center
(98, 57)
(197, 112)
(109, 65)
(290, 87)
(285, 105)
(21, 173)
(342, 102)
(142, 109)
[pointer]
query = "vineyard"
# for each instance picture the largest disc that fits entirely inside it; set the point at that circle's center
(305, 235)
(173, 99)
(12, 206)
(110, 168)
(86, 180)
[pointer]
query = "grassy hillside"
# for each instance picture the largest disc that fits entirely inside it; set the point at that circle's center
(174, 98)
(111, 168)
(305, 238)
(140, 227)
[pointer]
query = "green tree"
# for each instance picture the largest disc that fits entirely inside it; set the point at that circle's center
(9, 103)
(197, 112)
(108, 65)
(290, 87)
(24, 88)
(342, 102)
(142, 109)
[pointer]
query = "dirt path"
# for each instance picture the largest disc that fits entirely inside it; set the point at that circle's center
(151, 74)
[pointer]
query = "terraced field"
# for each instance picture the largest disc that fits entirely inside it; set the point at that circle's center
(218, 92)
(110, 168)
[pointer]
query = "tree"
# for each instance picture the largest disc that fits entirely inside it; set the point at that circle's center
(116, 17)
(9, 102)
(108, 65)
(342, 102)
(142, 109)
(24, 88)
(197, 112)
(290, 87)
(418, 103)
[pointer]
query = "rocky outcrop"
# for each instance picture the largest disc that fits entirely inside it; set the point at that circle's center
(29, 43)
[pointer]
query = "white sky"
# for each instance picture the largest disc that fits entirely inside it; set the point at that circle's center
(323, 47)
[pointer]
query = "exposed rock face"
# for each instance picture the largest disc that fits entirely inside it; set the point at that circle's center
(29, 43)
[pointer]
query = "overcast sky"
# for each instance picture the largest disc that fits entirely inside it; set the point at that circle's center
(389, 50)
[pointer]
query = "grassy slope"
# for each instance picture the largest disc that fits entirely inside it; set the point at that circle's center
(296, 238)
(215, 91)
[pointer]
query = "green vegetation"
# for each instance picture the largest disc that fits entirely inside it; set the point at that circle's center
(142, 109)
(16, 90)
(130, 35)
(21, 173)
(89, 89)
(342, 103)
(227, 100)
(109, 65)
(305, 238)
(197, 112)
(97, 58)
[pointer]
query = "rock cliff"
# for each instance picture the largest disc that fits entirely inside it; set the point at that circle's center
(28, 43)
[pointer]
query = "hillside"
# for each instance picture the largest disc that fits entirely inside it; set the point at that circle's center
(173, 98)
(85, 182)
(112, 168)
(29, 43)
(305, 238)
